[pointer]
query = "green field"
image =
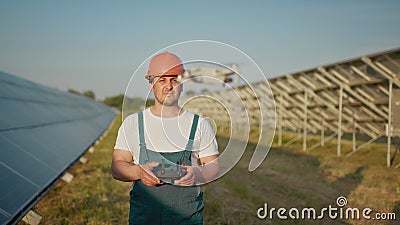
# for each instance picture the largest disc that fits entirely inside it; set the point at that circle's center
(288, 178)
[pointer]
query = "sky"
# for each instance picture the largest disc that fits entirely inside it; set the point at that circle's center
(98, 45)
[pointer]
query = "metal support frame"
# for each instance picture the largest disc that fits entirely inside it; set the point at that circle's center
(350, 91)
(346, 97)
(339, 132)
(280, 120)
(354, 135)
(330, 137)
(389, 132)
(298, 136)
(382, 72)
(299, 105)
(362, 146)
(305, 121)
(323, 131)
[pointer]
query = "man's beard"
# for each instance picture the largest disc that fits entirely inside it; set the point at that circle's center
(167, 101)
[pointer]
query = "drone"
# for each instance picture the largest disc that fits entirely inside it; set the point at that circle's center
(209, 75)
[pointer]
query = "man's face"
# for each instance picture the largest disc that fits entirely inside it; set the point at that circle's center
(166, 90)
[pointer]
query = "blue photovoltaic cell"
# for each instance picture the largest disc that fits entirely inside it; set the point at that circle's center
(28, 140)
(3, 218)
(42, 132)
(15, 190)
(25, 163)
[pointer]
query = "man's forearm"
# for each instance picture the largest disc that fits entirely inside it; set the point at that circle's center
(125, 171)
(207, 172)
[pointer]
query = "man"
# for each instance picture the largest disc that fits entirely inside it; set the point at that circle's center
(165, 134)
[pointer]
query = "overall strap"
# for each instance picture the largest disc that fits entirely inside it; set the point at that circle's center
(189, 145)
(142, 143)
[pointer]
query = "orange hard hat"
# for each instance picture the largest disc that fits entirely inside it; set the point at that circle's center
(165, 63)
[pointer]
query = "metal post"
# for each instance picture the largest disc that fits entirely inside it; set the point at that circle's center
(305, 121)
(299, 128)
(354, 134)
(323, 132)
(340, 120)
(280, 120)
(389, 123)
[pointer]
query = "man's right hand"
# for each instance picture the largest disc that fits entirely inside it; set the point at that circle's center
(147, 176)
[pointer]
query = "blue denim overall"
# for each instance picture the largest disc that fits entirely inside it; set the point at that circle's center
(166, 203)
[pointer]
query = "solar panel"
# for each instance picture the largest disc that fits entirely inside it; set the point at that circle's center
(43, 131)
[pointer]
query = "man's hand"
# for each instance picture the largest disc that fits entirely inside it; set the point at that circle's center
(147, 176)
(200, 174)
(189, 179)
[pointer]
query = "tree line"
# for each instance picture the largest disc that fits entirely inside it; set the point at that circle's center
(89, 93)
(131, 104)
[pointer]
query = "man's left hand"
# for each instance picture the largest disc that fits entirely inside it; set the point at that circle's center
(188, 179)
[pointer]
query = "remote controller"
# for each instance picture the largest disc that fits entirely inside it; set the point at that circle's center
(167, 171)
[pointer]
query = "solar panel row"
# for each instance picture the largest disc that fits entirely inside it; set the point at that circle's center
(42, 132)
(359, 96)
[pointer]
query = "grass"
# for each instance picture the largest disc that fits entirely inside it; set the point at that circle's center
(288, 178)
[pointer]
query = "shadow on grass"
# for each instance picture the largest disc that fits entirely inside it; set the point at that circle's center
(396, 211)
(285, 179)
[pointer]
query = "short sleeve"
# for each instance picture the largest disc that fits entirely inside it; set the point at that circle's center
(123, 132)
(208, 143)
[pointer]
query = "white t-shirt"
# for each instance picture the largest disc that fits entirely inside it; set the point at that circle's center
(167, 135)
